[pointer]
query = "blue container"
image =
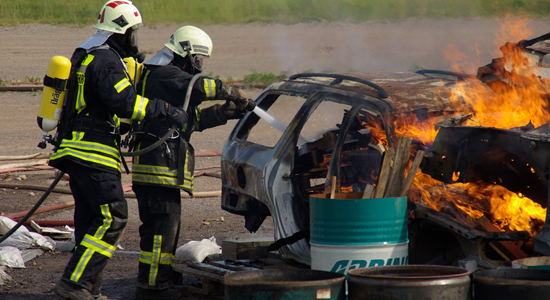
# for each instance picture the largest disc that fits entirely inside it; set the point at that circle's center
(349, 220)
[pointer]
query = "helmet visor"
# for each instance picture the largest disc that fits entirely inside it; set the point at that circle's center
(198, 61)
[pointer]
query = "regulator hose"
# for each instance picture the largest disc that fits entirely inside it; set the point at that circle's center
(36, 206)
(174, 127)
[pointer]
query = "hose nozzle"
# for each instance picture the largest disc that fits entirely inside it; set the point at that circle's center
(251, 105)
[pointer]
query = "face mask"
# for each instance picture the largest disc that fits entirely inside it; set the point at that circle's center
(131, 44)
(198, 62)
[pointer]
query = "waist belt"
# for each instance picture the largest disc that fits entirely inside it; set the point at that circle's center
(95, 125)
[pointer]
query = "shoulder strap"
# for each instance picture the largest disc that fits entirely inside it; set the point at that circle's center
(69, 111)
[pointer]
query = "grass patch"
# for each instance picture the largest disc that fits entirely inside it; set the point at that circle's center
(82, 13)
(263, 79)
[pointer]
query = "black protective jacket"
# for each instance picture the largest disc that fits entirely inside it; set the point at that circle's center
(172, 164)
(103, 94)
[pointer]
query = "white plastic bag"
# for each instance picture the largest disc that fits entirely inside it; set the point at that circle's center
(195, 251)
(11, 257)
(4, 277)
(43, 242)
(22, 238)
(6, 224)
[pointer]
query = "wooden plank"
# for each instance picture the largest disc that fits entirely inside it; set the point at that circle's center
(232, 266)
(211, 283)
(384, 174)
(412, 173)
(401, 158)
(209, 268)
(368, 192)
(36, 155)
(248, 248)
(507, 249)
(198, 273)
(333, 189)
(40, 162)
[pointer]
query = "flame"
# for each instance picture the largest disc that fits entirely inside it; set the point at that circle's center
(521, 95)
(507, 209)
(516, 101)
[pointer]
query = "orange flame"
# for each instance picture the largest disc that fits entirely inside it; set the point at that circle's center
(520, 99)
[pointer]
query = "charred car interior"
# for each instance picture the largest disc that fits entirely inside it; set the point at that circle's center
(482, 191)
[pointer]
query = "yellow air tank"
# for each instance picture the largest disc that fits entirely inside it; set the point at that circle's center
(53, 94)
(131, 66)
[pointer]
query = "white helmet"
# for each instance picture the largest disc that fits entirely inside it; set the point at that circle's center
(190, 40)
(119, 15)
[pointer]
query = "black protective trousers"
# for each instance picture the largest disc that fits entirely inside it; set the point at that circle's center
(159, 212)
(100, 215)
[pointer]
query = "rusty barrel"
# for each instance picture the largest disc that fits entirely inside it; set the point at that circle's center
(348, 232)
(284, 284)
(418, 282)
(508, 284)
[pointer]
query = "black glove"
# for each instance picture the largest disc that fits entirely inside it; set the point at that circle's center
(231, 110)
(234, 94)
(157, 109)
(176, 114)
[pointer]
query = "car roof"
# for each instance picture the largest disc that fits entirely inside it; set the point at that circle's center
(427, 90)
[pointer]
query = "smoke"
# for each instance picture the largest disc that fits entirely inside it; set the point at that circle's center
(380, 47)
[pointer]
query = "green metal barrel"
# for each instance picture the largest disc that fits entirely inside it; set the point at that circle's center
(349, 232)
(350, 220)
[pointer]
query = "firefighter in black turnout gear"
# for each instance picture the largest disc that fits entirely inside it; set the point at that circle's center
(158, 176)
(87, 145)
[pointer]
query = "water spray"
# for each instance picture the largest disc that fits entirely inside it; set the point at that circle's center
(271, 120)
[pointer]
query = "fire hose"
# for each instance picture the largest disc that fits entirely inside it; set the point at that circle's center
(175, 126)
(36, 206)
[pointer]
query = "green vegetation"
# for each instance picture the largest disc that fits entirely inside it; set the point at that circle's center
(263, 79)
(81, 13)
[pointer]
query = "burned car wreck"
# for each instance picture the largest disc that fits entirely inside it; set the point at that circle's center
(341, 124)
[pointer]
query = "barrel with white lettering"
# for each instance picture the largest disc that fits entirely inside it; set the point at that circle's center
(348, 232)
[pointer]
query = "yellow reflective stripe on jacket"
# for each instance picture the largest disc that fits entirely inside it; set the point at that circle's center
(210, 88)
(88, 151)
(81, 79)
(121, 85)
(198, 111)
(139, 108)
(158, 170)
(98, 159)
(144, 82)
(118, 120)
(76, 142)
(95, 244)
(161, 175)
(143, 178)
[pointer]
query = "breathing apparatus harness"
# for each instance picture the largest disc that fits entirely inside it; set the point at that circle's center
(174, 127)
